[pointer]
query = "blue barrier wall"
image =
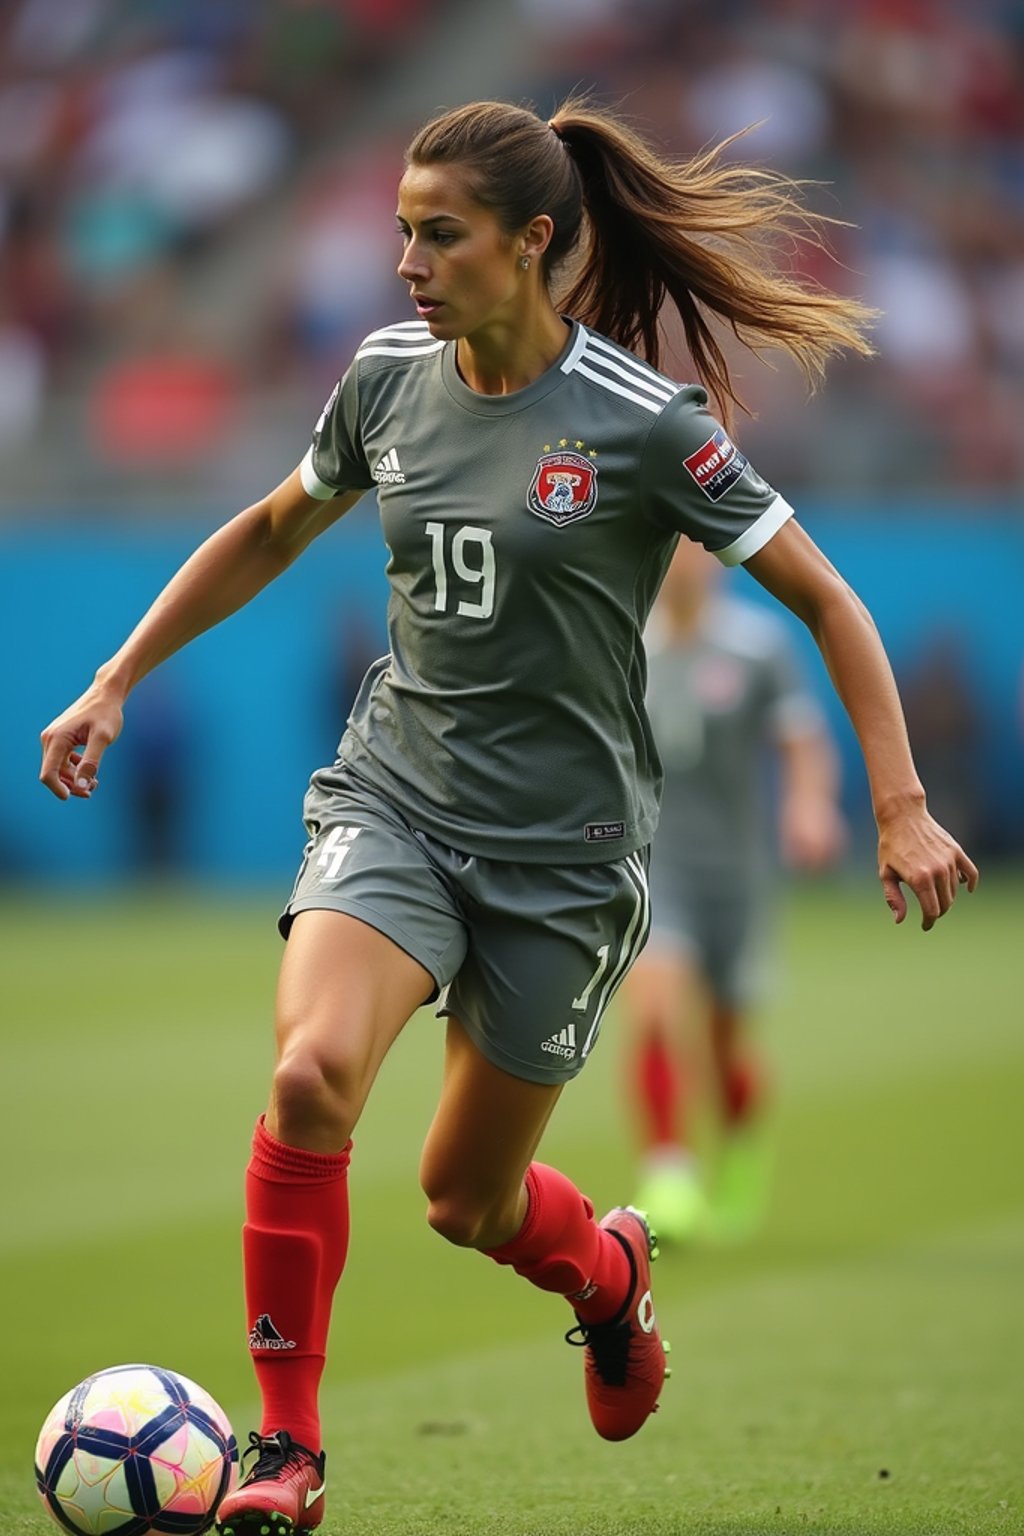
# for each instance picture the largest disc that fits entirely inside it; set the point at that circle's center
(950, 580)
(219, 742)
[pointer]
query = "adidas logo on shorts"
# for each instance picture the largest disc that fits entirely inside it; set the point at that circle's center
(562, 1043)
(389, 471)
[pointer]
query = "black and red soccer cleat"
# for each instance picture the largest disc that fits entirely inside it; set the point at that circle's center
(282, 1492)
(624, 1359)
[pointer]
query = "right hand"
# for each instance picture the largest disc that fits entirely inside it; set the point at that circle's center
(914, 850)
(74, 743)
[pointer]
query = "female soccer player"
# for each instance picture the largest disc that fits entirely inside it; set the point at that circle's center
(724, 692)
(482, 836)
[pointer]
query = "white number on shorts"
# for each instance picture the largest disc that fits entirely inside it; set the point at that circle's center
(480, 573)
(336, 850)
(580, 1003)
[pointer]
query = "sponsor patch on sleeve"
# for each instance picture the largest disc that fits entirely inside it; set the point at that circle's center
(716, 465)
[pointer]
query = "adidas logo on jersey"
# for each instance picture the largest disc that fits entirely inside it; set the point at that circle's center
(389, 471)
(563, 1043)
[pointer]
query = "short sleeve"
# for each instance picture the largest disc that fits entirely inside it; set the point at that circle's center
(698, 483)
(335, 462)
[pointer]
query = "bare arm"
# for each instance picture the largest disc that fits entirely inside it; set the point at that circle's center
(223, 574)
(912, 847)
(812, 833)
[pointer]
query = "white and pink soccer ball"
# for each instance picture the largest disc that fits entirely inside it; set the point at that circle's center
(133, 1449)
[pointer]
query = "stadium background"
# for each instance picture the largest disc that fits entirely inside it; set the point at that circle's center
(196, 225)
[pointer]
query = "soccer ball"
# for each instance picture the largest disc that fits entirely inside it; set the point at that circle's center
(134, 1449)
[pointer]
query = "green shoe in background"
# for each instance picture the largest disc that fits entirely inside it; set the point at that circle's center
(672, 1196)
(739, 1193)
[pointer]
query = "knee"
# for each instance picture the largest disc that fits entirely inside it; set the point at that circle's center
(481, 1218)
(458, 1220)
(310, 1092)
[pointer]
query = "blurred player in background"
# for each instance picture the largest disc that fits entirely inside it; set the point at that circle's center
(724, 689)
(483, 834)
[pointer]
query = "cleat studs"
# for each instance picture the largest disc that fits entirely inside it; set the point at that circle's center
(668, 1372)
(666, 1346)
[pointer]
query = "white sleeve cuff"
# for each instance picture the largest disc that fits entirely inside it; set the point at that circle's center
(311, 482)
(758, 534)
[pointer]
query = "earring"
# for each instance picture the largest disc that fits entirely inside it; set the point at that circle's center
(524, 262)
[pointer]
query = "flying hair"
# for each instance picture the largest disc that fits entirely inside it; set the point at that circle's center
(634, 230)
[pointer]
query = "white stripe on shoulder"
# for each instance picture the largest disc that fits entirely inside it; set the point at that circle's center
(575, 351)
(405, 338)
(653, 383)
(634, 364)
(758, 534)
(311, 482)
(655, 407)
(402, 329)
(399, 352)
(419, 351)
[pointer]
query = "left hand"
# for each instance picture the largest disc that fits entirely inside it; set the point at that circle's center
(914, 850)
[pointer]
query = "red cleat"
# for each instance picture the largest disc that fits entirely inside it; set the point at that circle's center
(624, 1361)
(283, 1492)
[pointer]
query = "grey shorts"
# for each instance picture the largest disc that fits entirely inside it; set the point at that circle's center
(721, 929)
(526, 956)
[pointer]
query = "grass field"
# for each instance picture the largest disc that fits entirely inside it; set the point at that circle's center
(857, 1369)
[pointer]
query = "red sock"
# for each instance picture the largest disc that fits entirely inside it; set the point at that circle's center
(659, 1087)
(561, 1248)
(741, 1092)
(295, 1241)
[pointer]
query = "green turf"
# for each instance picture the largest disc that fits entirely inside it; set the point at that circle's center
(855, 1370)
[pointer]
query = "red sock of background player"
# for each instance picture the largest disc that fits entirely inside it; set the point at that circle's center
(742, 1092)
(660, 1092)
(295, 1241)
(561, 1248)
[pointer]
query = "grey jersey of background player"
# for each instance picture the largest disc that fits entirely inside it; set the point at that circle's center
(528, 534)
(716, 702)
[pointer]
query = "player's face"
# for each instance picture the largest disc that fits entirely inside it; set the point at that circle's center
(462, 268)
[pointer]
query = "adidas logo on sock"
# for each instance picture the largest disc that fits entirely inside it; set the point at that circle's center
(263, 1335)
(389, 471)
(562, 1043)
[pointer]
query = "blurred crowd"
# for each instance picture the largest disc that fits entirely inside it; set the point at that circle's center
(197, 198)
(910, 113)
(144, 148)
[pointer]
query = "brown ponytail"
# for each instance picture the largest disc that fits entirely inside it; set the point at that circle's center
(632, 229)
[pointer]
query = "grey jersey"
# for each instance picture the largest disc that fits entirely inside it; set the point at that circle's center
(527, 535)
(716, 700)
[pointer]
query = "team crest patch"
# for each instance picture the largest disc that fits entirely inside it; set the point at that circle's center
(716, 465)
(564, 487)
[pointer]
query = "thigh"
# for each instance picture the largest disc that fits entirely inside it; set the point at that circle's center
(345, 990)
(487, 1127)
(548, 947)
